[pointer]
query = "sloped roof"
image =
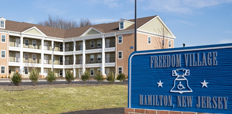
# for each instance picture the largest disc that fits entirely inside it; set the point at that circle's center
(61, 33)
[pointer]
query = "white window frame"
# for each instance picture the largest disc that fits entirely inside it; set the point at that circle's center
(26, 54)
(149, 40)
(2, 53)
(99, 56)
(61, 71)
(99, 43)
(169, 43)
(4, 70)
(34, 42)
(4, 37)
(123, 24)
(34, 55)
(121, 68)
(121, 39)
(25, 70)
(91, 58)
(91, 72)
(92, 42)
(4, 23)
(118, 54)
(26, 40)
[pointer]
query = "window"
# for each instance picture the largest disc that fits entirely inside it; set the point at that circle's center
(91, 72)
(91, 58)
(3, 38)
(61, 72)
(2, 25)
(119, 70)
(99, 57)
(119, 39)
(92, 44)
(26, 56)
(9, 70)
(163, 43)
(121, 25)
(61, 60)
(3, 69)
(26, 70)
(99, 70)
(26, 42)
(120, 54)
(34, 57)
(34, 43)
(99, 43)
(61, 46)
(3, 53)
(149, 40)
(169, 44)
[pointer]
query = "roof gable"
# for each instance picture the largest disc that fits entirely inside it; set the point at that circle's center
(91, 31)
(157, 26)
(34, 31)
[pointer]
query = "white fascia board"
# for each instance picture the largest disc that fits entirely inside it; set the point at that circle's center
(2, 19)
(160, 21)
(153, 34)
(36, 29)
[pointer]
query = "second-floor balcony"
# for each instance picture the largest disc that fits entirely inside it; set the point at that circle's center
(79, 61)
(90, 61)
(31, 46)
(69, 48)
(68, 62)
(110, 44)
(109, 59)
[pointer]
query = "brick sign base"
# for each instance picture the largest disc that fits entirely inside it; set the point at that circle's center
(146, 111)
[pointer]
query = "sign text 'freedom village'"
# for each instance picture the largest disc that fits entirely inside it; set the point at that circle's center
(192, 79)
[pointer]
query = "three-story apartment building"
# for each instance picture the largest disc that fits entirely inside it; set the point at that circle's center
(101, 47)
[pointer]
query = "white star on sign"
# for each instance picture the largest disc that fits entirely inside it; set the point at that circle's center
(160, 84)
(204, 84)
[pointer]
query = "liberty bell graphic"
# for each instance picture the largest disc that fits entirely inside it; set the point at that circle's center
(181, 83)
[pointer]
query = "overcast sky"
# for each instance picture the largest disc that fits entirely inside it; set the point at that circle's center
(194, 22)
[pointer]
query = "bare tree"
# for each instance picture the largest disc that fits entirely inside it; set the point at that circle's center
(57, 22)
(85, 22)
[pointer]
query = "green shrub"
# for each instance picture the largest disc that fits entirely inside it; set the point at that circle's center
(34, 76)
(99, 77)
(16, 79)
(85, 76)
(111, 77)
(51, 77)
(121, 77)
(69, 77)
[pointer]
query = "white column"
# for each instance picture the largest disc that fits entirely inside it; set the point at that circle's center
(42, 57)
(63, 59)
(74, 58)
(52, 57)
(103, 56)
(21, 55)
(83, 56)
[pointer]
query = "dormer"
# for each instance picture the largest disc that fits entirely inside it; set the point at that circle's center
(2, 23)
(123, 24)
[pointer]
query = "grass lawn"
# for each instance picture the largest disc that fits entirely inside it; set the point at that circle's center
(58, 100)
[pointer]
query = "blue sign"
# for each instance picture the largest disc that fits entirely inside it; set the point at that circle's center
(192, 79)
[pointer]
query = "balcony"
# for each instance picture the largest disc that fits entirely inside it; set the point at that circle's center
(88, 46)
(79, 61)
(68, 62)
(91, 61)
(14, 44)
(79, 47)
(31, 46)
(110, 60)
(16, 60)
(111, 44)
(68, 48)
